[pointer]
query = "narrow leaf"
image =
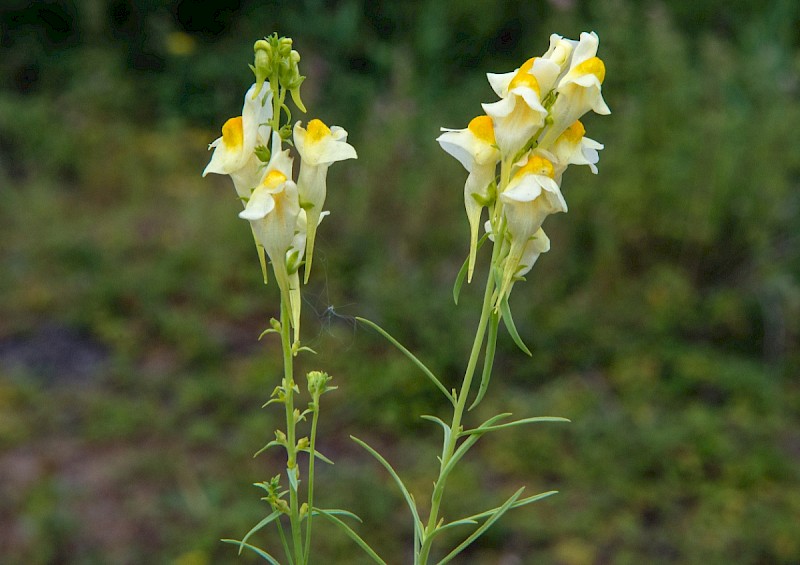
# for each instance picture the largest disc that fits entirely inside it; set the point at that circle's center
(266, 332)
(462, 273)
(517, 504)
(484, 429)
(410, 355)
(337, 512)
(352, 534)
(451, 525)
(257, 527)
(318, 455)
(398, 480)
(485, 526)
(292, 474)
(512, 329)
(466, 445)
(254, 549)
(445, 427)
(488, 358)
(273, 443)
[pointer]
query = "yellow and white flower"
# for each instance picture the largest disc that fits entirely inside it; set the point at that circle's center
(272, 211)
(560, 51)
(234, 150)
(536, 245)
(319, 146)
(572, 148)
(475, 148)
(531, 196)
(579, 90)
(545, 71)
(519, 113)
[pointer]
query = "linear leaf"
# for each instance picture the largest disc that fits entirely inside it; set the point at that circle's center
(318, 455)
(445, 427)
(276, 514)
(485, 526)
(517, 504)
(338, 512)
(512, 329)
(273, 443)
(352, 534)
(398, 480)
(462, 273)
(451, 525)
(255, 549)
(488, 358)
(410, 355)
(466, 445)
(491, 428)
(292, 474)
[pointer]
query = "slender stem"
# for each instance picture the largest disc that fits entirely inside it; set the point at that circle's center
(458, 412)
(311, 454)
(291, 439)
(286, 548)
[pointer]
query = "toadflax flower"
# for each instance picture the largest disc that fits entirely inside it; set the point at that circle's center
(475, 148)
(579, 90)
(519, 113)
(272, 211)
(539, 243)
(234, 151)
(319, 146)
(573, 148)
(531, 196)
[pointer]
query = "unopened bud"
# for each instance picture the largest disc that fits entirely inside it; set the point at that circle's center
(284, 46)
(262, 63)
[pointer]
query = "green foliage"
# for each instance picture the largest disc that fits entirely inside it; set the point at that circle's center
(664, 323)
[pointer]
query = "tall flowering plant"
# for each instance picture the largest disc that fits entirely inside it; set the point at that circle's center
(283, 215)
(515, 154)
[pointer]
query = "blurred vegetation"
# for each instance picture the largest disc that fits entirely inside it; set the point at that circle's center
(665, 322)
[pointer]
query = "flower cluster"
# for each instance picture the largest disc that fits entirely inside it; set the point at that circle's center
(283, 213)
(534, 133)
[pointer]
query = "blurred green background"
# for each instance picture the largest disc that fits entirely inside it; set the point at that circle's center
(665, 322)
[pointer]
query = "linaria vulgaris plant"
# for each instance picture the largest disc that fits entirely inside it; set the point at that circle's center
(515, 154)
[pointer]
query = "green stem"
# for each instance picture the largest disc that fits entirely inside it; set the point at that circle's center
(458, 412)
(449, 448)
(286, 548)
(291, 439)
(311, 459)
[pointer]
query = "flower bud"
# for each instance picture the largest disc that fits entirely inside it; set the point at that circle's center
(263, 62)
(318, 383)
(284, 46)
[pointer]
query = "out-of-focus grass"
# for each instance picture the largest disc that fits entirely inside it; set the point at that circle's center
(664, 322)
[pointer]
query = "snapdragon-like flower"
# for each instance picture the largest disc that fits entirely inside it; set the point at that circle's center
(579, 90)
(475, 148)
(573, 148)
(272, 211)
(234, 151)
(531, 196)
(319, 147)
(539, 243)
(519, 113)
